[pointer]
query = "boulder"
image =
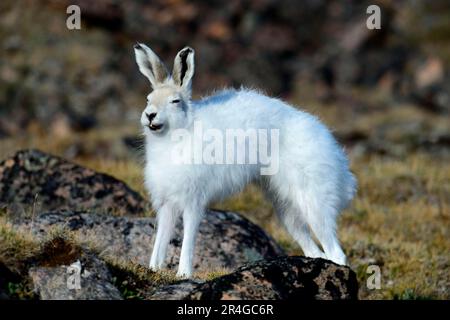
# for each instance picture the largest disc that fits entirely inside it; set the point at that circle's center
(51, 284)
(65, 272)
(31, 176)
(225, 240)
(283, 278)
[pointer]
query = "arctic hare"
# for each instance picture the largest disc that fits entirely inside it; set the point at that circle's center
(309, 187)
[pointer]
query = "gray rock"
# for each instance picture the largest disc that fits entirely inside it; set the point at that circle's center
(55, 183)
(58, 282)
(176, 291)
(296, 278)
(226, 239)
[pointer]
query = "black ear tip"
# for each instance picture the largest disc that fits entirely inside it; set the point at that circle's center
(137, 46)
(186, 51)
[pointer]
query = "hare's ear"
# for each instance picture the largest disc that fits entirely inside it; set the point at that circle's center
(150, 65)
(183, 68)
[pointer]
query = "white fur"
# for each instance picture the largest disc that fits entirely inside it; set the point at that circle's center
(312, 186)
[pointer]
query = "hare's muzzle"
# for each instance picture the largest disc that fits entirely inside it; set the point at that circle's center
(153, 126)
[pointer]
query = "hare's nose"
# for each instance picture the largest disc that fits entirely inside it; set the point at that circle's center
(150, 116)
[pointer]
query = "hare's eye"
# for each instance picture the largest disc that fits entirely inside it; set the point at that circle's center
(175, 101)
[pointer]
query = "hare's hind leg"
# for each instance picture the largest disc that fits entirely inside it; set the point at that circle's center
(303, 213)
(298, 228)
(315, 198)
(322, 221)
(320, 214)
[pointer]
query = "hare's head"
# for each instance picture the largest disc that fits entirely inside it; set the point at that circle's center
(168, 105)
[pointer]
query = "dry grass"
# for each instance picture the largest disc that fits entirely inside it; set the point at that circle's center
(400, 221)
(15, 246)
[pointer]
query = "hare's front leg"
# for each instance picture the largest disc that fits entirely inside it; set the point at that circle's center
(166, 219)
(191, 223)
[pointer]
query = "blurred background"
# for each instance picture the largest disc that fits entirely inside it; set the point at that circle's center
(385, 93)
